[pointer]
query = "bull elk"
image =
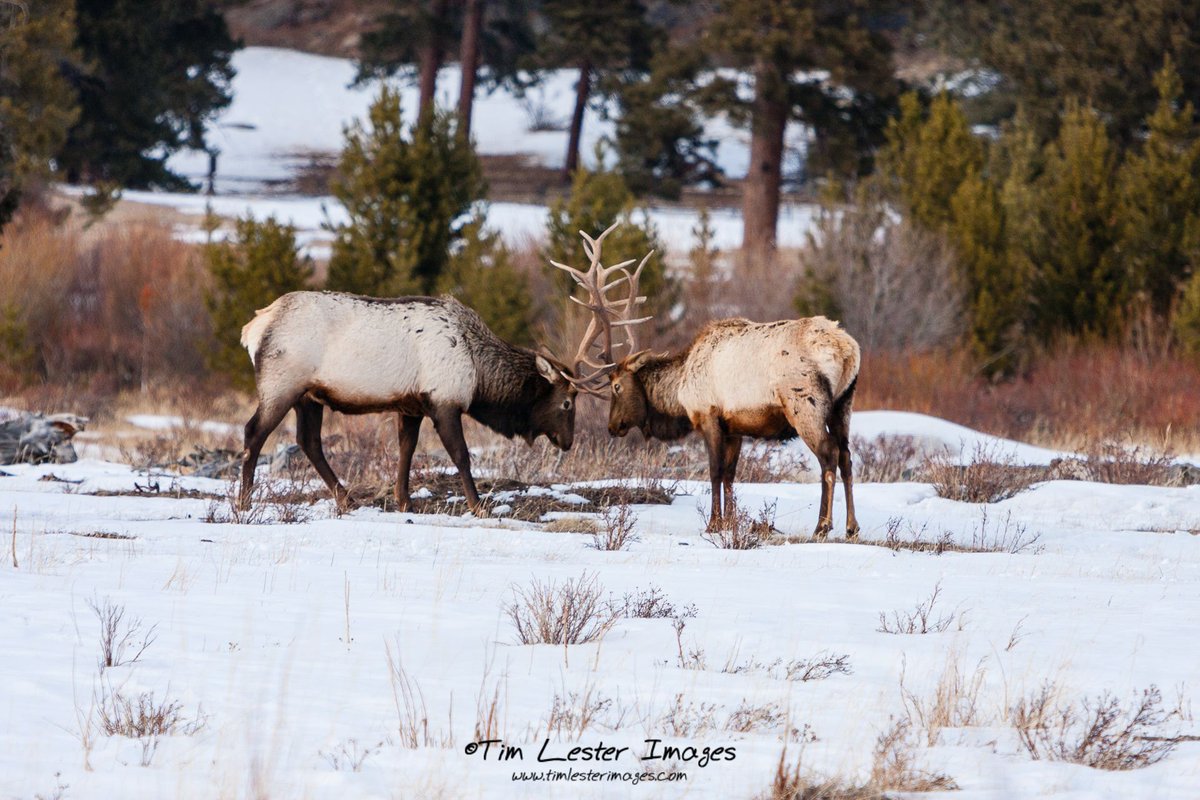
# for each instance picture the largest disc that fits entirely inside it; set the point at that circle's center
(418, 356)
(773, 380)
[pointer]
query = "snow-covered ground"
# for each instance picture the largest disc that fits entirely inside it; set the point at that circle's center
(278, 637)
(289, 105)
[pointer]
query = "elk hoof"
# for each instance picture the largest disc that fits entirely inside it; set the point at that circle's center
(852, 533)
(822, 530)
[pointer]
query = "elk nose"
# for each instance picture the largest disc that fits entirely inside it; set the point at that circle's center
(618, 429)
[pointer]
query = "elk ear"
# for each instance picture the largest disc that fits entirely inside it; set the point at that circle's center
(636, 361)
(546, 369)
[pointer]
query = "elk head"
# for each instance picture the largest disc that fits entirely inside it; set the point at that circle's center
(554, 413)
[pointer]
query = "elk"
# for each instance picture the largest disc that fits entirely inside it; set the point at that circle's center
(737, 379)
(418, 356)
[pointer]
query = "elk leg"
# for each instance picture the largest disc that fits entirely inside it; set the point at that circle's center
(807, 409)
(309, 416)
(265, 420)
(714, 441)
(449, 428)
(839, 426)
(410, 429)
(733, 450)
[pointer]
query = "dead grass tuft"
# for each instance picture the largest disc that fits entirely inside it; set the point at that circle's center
(743, 532)
(920, 620)
(616, 529)
(122, 641)
(649, 603)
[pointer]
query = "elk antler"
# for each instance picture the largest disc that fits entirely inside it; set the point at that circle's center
(607, 313)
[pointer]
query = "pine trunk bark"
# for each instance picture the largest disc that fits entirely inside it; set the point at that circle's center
(583, 90)
(760, 193)
(430, 62)
(468, 59)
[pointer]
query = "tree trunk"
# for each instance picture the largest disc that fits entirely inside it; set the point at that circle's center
(583, 90)
(760, 195)
(431, 61)
(468, 59)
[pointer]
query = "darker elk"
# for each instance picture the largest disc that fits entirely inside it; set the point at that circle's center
(738, 378)
(418, 356)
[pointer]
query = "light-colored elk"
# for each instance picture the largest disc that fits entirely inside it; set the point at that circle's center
(418, 356)
(773, 380)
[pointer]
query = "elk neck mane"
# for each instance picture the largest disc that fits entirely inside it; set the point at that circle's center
(660, 376)
(507, 382)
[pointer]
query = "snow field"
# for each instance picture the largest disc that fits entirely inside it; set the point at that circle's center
(279, 636)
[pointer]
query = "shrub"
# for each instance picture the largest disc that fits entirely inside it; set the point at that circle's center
(407, 195)
(568, 613)
(988, 478)
(742, 531)
(1099, 732)
(261, 263)
(617, 531)
(893, 285)
(918, 621)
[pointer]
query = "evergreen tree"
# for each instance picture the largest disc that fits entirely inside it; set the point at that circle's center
(1077, 286)
(1186, 322)
(597, 39)
(407, 194)
(660, 141)
(481, 274)
(37, 103)
(929, 156)
(414, 37)
(157, 71)
(596, 201)
(1105, 52)
(1159, 199)
(782, 43)
(250, 272)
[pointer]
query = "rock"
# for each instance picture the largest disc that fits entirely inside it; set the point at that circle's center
(38, 439)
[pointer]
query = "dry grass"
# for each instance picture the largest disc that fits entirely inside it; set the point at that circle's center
(413, 728)
(742, 531)
(819, 667)
(571, 612)
(1070, 395)
(616, 528)
(920, 620)
(649, 604)
(143, 718)
(953, 704)
(574, 713)
(272, 501)
(122, 641)
(894, 768)
(1101, 732)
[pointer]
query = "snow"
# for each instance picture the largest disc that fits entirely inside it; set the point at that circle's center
(280, 636)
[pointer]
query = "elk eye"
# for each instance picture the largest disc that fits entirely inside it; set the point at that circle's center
(616, 388)
(566, 405)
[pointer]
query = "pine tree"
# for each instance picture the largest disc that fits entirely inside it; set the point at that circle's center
(37, 103)
(481, 275)
(1077, 286)
(407, 194)
(929, 155)
(157, 71)
(596, 39)
(250, 272)
(660, 142)
(1159, 199)
(596, 201)
(1105, 52)
(1185, 324)
(781, 43)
